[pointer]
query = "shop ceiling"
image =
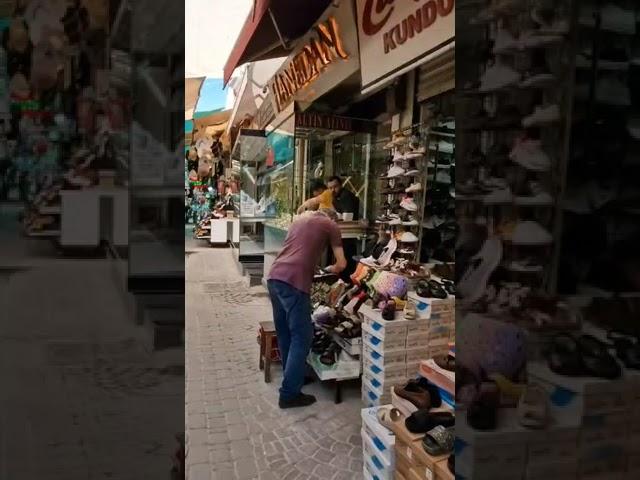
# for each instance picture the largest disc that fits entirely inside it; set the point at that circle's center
(269, 29)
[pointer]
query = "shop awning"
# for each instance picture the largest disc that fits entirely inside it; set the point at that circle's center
(270, 26)
(191, 94)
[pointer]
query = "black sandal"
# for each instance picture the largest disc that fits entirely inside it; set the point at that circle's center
(330, 355)
(627, 350)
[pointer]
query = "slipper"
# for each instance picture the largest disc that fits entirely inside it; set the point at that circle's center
(481, 415)
(438, 441)
(413, 393)
(446, 362)
(423, 420)
(533, 408)
(389, 417)
(596, 359)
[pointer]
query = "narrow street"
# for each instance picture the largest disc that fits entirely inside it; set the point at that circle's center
(235, 429)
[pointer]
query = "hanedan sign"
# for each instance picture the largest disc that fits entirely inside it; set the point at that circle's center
(324, 57)
(395, 36)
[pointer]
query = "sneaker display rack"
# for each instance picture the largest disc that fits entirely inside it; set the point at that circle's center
(439, 226)
(602, 201)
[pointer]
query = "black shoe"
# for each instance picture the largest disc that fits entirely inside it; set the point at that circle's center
(302, 400)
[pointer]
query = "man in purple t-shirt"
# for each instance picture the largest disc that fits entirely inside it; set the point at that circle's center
(289, 284)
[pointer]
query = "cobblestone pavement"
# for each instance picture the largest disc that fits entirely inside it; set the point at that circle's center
(235, 429)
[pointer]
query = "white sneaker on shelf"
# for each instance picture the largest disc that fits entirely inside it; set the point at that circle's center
(528, 153)
(542, 115)
(408, 237)
(395, 221)
(611, 91)
(410, 222)
(395, 171)
(498, 76)
(504, 42)
(397, 156)
(414, 187)
(530, 232)
(442, 146)
(408, 204)
(473, 283)
(412, 172)
(415, 153)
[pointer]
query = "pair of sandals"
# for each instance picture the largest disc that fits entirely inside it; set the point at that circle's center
(321, 341)
(432, 289)
(585, 356)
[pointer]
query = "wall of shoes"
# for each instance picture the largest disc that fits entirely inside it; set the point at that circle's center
(547, 150)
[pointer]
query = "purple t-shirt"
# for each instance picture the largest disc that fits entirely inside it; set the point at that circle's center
(306, 241)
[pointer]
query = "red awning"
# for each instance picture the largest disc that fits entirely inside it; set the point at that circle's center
(271, 24)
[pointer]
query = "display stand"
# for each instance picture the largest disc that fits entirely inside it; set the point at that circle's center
(225, 230)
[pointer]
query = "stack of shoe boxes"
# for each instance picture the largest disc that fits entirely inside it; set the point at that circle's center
(607, 415)
(377, 447)
(413, 462)
(393, 349)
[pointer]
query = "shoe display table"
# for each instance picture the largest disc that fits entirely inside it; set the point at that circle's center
(345, 369)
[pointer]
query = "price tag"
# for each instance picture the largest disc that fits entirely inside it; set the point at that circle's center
(429, 473)
(409, 453)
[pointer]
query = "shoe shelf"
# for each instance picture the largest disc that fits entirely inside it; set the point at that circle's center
(604, 151)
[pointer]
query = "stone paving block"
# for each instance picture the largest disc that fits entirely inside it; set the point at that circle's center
(246, 469)
(238, 432)
(198, 454)
(199, 472)
(323, 456)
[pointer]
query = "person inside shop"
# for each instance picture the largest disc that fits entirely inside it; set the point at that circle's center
(321, 198)
(289, 284)
(345, 201)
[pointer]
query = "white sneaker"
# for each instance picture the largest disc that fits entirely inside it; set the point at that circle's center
(408, 237)
(528, 153)
(397, 156)
(498, 197)
(410, 222)
(498, 76)
(473, 283)
(414, 187)
(611, 91)
(395, 171)
(530, 233)
(442, 146)
(617, 19)
(408, 204)
(395, 221)
(412, 172)
(415, 153)
(542, 116)
(504, 42)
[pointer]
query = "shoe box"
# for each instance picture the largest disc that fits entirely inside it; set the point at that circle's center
(372, 396)
(353, 346)
(381, 343)
(384, 379)
(378, 465)
(387, 360)
(432, 307)
(383, 439)
(412, 461)
(387, 329)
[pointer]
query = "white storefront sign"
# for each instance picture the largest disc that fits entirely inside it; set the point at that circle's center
(398, 35)
(321, 59)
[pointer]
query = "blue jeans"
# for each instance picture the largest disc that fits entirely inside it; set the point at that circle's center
(292, 319)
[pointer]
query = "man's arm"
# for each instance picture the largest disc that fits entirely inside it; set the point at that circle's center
(341, 261)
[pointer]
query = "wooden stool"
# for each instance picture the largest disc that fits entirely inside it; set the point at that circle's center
(268, 348)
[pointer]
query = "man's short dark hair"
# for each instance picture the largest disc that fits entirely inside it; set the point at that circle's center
(318, 185)
(336, 178)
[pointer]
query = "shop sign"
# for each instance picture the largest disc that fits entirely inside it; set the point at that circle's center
(265, 113)
(398, 35)
(334, 122)
(322, 59)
